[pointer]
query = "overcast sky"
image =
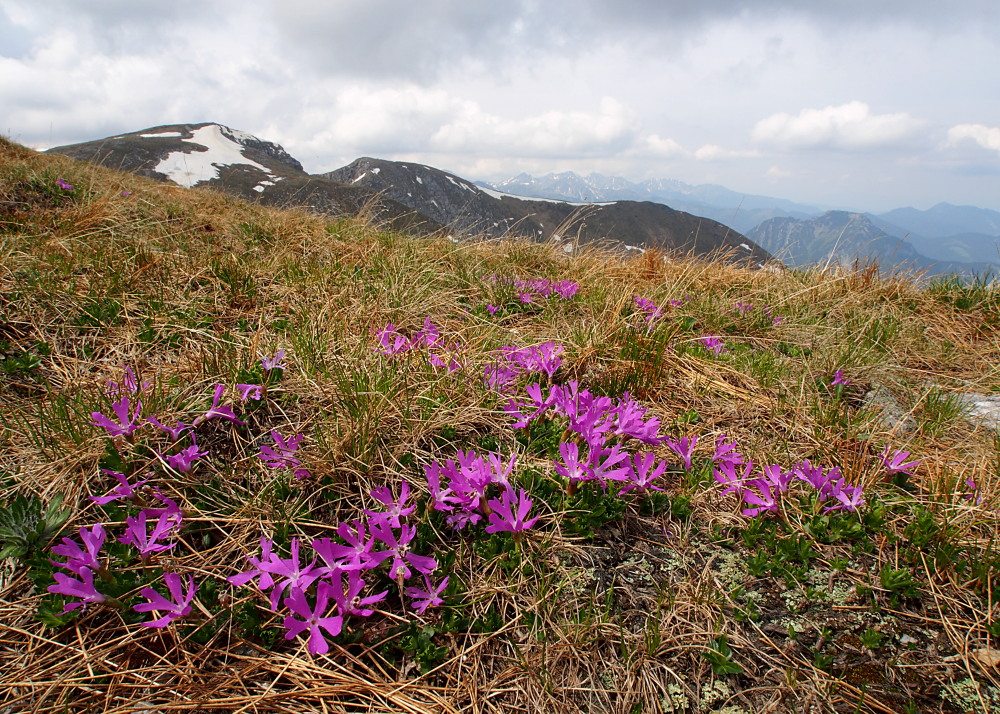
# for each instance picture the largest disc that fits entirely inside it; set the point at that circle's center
(860, 104)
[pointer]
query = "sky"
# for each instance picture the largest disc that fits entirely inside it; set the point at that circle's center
(838, 104)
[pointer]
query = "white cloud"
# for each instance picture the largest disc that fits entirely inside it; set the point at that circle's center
(714, 152)
(776, 172)
(849, 126)
(556, 133)
(987, 137)
(662, 148)
(411, 119)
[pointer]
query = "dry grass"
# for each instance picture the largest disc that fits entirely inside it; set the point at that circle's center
(191, 288)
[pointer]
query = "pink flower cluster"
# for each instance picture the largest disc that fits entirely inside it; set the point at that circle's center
(602, 426)
(541, 287)
(761, 494)
(463, 488)
(511, 362)
(336, 572)
(85, 562)
(280, 456)
(391, 343)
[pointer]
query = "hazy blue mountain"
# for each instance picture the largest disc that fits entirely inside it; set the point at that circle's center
(738, 210)
(944, 220)
(844, 238)
(947, 232)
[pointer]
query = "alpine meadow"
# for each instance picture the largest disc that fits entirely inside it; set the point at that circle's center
(256, 459)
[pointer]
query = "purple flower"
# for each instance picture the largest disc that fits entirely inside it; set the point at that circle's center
(765, 501)
(725, 473)
(839, 379)
(565, 289)
(443, 498)
(642, 473)
(64, 185)
(180, 606)
(281, 457)
(350, 602)
(265, 581)
(895, 464)
(611, 467)
(130, 385)
(849, 498)
(275, 362)
(573, 468)
(627, 421)
(429, 336)
(743, 307)
(653, 313)
(500, 376)
(430, 597)
(312, 619)
(726, 451)
(714, 344)
(175, 433)
(684, 448)
(391, 342)
(813, 475)
(294, 575)
(82, 588)
(147, 543)
(183, 461)
(250, 391)
(82, 558)
(126, 423)
(394, 509)
(356, 555)
(123, 490)
(974, 495)
(776, 477)
(398, 549)
(492, 309)
(171, 513)
(216, 411)
(509, 513)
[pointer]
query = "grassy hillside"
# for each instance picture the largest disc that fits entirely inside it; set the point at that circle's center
(855, 572)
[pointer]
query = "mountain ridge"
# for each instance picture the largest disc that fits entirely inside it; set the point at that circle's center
(215, 156)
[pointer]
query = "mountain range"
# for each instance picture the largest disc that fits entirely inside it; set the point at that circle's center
(942, 239)
(564, 207)
(422, 198)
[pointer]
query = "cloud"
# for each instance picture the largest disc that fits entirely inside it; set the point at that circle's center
(554, 133)
(420, 42)
(776, 173)
(713, 152)
(849, 127)
(663, 148)
(412, 119)
(987, 137)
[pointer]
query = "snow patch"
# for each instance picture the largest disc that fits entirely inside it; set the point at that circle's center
(744, 246)
(420, 181)
(360, 177)
(501, 195)
(461, 185)
(376, 170)
(635, 247)
(190, 169)
(164, 135)
(568, 248)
